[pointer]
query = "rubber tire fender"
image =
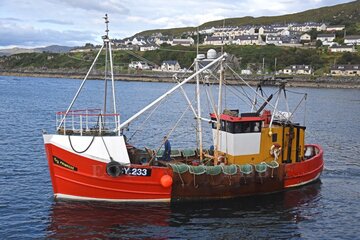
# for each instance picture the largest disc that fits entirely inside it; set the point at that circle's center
(113, 169)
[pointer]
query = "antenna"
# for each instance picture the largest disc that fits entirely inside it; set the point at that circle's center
(197, 44)
(107, 25)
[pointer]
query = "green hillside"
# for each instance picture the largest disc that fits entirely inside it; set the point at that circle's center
(168, 32)
(347, 14)
(247, 56)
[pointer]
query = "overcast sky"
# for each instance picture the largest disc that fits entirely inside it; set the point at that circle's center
(34, 23)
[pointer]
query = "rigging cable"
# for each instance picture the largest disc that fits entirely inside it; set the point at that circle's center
(147, 118)
(170, 132)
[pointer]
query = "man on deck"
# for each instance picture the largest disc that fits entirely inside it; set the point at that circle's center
(167, 152)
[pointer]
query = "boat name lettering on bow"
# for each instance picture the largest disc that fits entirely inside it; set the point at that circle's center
(64, 164)
(137, 171)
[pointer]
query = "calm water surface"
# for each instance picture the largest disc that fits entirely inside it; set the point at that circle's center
(325, 210)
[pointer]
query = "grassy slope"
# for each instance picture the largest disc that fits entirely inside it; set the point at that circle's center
(319, 58)
(338, 14)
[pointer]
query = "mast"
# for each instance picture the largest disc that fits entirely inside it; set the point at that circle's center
(107, 46)
(106, 60)
(107, 43)
(218, 113)
(199, 128)
(218, 121)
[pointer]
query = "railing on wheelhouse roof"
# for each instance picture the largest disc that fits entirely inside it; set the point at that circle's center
(87, 122)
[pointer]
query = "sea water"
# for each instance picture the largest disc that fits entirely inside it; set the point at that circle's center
(328, 209)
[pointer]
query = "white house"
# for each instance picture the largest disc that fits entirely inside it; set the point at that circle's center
(184, 42)
(273, 39)
(148, 47)
(249, 30)
(326, 39)
(243, 30)
(170, 66)
(280, 26)
(246, 72)
(267, 30)
(335, 28)
(291, 41)
(298, 69)
(207, 30)
(247, 40)
(284, 32)
(138, 41)
(219, 33)
(345, 70)
(161, 40)
(215, 40)
(305, 27)
(139, 65)
(305, 37)
(343, 48)
(352, 39)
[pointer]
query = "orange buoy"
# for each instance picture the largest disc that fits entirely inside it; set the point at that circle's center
(166, 181)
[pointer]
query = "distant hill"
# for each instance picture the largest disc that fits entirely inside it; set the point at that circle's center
(11, 51)
(51, 49)
(54, 49)
(347, 14)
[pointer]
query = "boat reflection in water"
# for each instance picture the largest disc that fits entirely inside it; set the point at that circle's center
(100, 220)
(274, 215)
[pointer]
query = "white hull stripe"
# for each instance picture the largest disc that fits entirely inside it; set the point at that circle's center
(72, 197)
(303, 183)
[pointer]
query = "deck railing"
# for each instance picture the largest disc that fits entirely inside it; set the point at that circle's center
(88, 122)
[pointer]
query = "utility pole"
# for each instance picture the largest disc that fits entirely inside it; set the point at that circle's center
(275, 65)
(263, 66)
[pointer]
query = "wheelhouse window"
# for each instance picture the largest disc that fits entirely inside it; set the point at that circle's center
(230, 127)
(247, 127)
(238, 127)
(223, 125)
(213, 123)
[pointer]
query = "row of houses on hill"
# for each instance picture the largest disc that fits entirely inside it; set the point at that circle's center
(277, 34)
(150, 44)
(291, 34)
(327, 39)
(271, 29)
(335, 70)
(166, 66)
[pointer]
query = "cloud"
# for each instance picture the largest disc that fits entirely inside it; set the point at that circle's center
(79, 21)
(29, 36)
(104, 6)
(54, 21)
(11, 19)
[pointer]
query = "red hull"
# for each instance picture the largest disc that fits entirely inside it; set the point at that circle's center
(89, 181)
(301, 173)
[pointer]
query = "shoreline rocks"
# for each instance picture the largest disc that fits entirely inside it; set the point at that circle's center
(292, 81)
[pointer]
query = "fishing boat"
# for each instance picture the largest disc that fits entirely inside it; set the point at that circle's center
(259, 151)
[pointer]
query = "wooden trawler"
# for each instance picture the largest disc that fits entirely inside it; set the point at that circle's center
(257, 152)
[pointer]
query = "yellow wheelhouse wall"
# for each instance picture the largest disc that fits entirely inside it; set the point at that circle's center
(267, 141)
